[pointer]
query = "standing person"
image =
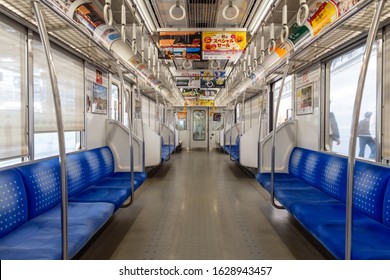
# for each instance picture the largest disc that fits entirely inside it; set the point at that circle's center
(334, 134)
(365, 137)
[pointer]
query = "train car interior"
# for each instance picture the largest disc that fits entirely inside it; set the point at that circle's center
(194, 130)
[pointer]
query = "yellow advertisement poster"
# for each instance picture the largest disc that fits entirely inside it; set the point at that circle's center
(223, 44)
(326, 13)
(200, 102)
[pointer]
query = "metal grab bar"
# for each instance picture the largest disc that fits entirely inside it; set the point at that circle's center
(242, 116)
(354, 127)
(231, 130)
(60, 126)
(274, 137)
(127, 98)
(261, 114)
(142, 127)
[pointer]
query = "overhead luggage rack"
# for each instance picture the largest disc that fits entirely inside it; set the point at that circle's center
(62, 29)
(351, 26)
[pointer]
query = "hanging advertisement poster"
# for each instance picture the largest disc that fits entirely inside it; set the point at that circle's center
(207, 94)
(321, 14)
(99, 99)
(187, 82)
(194, 102)
(189, 92)
(212, 79)
(223, 44)
(304, 100)
(180, 45)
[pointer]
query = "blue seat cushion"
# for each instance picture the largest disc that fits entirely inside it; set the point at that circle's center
(165, 153)
(314, 214)
(265, 179)
(288, 196)
(116, 195)
(124, 175)
(40, 238)
(370, 239)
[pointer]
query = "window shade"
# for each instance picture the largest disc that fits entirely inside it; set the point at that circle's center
(71, 86)
(13, 130)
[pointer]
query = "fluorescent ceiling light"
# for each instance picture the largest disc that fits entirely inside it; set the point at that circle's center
(260, 15)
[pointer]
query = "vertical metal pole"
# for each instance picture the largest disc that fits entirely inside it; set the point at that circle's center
(379, 103)
(231, 129)
(242, 122)
(263, 95)
(174, 129)
(274, 138)
(60, 126)
(127, 98)
(142, 120)
(167, 125)
(30, 106)
(156, 112)
(355, 122)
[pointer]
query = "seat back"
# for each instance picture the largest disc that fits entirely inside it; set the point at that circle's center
(100, 164)
(13, 202)
(370, 182)
(43, 185)
(386, 206)
(333, 176)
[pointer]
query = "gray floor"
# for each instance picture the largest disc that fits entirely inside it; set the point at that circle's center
(201, 205)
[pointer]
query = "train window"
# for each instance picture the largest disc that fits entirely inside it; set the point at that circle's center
(217, 123)
(343, 78)
(125, 115)
(285, 102)
(199, 125)
(114, 106)
(13, 94)
(70, 73)
(46, 144)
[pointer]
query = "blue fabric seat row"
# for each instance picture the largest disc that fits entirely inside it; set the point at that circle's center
(30, 210)
(233, 150)
(314, 191)
(166, 151)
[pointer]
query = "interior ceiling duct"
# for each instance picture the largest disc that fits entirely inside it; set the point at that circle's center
(202, 13)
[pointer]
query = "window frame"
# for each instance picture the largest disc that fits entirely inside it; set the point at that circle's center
(325, 93)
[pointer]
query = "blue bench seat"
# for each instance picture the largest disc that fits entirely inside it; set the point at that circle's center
(40, 237)
(234, 150)
(30, 209)
(166, 151)
(314, 191)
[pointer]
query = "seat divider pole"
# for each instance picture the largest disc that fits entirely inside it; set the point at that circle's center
(60, 125)
(261, 114)
(131, 140)
(274, 138)
(355, 121)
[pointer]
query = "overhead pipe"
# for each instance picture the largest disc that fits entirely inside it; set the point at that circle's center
(324, 14)
(110, 39)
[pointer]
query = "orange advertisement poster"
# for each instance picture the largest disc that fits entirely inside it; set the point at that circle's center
(223, 44)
